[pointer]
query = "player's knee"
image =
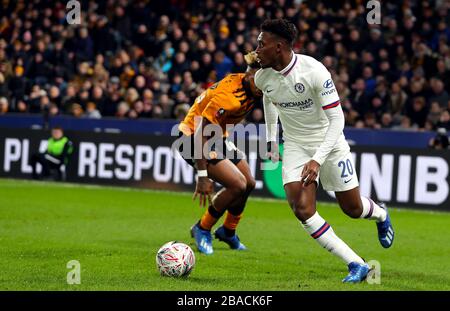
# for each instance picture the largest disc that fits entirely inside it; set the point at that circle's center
(251, 184)
(301, 210)
(352, 210)
(239, 187)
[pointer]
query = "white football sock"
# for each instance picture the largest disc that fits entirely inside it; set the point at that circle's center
(322, 232)
(371, 210)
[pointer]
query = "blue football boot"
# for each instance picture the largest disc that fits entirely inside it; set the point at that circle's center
(232, 241)
(203, 239)
(385, 229)
(357, 272)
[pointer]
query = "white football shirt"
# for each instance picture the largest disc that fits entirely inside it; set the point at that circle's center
(299, 94)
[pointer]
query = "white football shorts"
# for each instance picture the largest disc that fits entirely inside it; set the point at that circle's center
(336, 174)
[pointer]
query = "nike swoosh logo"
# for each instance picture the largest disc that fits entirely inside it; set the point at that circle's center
(347, 181)
(268, 91)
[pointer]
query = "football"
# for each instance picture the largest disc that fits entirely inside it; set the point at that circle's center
(175, 259)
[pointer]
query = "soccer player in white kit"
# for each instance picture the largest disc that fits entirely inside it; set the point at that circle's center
(299, 90)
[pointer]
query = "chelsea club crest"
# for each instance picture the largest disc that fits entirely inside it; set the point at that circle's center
(299, 87)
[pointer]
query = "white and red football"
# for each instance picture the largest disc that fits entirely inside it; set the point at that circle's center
(175, 259)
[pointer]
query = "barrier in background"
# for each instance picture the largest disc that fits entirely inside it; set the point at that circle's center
(365, 137)
(414, 178)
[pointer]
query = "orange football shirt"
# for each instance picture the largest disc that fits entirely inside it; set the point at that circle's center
(223, 103)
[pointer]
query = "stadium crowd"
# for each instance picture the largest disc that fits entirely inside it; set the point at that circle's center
(151, 58)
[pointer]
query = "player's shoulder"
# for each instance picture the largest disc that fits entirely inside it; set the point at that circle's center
(309, 63)
(229, 83)
(262, 76)
(313, 69)
(226, 89)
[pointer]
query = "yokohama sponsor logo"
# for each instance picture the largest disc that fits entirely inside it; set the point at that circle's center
(302, 105)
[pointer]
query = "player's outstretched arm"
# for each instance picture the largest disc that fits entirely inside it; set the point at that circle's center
(204, 186)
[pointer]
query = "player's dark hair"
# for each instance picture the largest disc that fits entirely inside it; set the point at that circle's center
(282, 28)
(254, 65)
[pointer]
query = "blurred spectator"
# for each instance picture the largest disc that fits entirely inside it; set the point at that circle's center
(157, 112)
(4, 105)
(439, 94)
(440, 141)
(68, 99)
(370, 121)
(122, 110)
(91, 111)
(76, 110)
(98, 97)
(386, 120)
(360, 97)
(222, 65)
(239, 63)
(444, 120)
(18, 84)
(166, 105)
(405, 125)
(417, 112)
(54, 96)
(181, 111)
(435, 113)
(378, 107)
(397, 100)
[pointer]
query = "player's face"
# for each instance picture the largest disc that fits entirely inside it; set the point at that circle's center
(266, 50)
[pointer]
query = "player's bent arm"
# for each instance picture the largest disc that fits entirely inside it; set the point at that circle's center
(271, 117)
(328, 98)
(199, 137)
(336, 118)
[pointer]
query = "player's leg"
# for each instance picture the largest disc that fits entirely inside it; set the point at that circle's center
(223, 172)
(239, 204)
(338, 175)
(227, 232)
(235, 185)
(34, 161)
(39, 158)
(45, 166)
(303, 203)
(357, 206)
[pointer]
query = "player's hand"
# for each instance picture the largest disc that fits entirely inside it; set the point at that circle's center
(203, 190)
(273, 152)
(310, 172)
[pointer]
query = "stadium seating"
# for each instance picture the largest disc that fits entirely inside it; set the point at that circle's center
(150, 59)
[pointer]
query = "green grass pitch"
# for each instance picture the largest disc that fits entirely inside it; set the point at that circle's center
(115, 232)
